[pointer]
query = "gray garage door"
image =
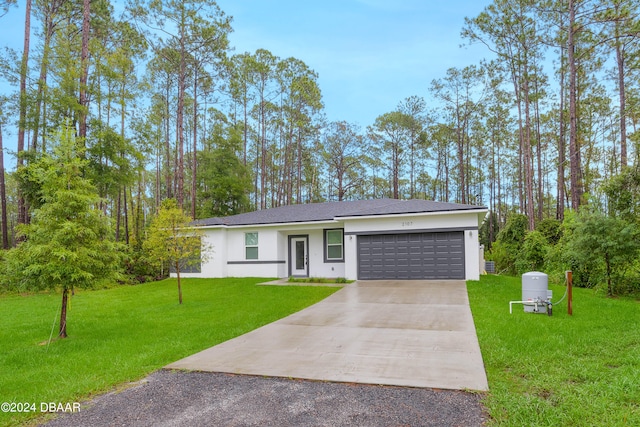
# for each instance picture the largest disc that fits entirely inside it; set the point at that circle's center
(411, 256)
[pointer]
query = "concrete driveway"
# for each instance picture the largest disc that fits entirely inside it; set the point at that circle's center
(391, 332)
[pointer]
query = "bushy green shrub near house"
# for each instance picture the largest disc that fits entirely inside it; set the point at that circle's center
(601, 250)
(609, 248)
(509, 243)
(551, 229)
(533, 253)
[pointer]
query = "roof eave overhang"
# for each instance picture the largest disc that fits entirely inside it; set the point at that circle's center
(481, 212)
(276, 224)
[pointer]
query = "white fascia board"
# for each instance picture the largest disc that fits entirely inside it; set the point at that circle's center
(210, 227)
(275, 224)
(467, 211)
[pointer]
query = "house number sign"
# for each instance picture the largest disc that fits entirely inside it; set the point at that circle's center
(407, 223)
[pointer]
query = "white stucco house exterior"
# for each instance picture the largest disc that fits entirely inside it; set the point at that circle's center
(367, 239)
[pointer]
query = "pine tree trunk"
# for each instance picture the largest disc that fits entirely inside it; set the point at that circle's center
(263, 154)
(460, 151)
(167, 145)
(118, 211)
(194, 166)
(540, 181)
(44, 69)
(22, 123)
(139, 220)
(561, 146)
(299, 165)
(126, 216)
(621, 92)
(3, 197)
(574, 149)
(517, 93)
(528, 161)
(499, 186)
(245, 127)
(84, 72)
(180, 135)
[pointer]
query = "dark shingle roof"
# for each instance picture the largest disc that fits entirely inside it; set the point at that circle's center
(334, 210)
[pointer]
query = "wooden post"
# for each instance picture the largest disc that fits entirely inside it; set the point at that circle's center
(570, 293)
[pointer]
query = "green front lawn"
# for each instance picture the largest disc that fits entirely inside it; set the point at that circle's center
(122, 334)
(580, 370)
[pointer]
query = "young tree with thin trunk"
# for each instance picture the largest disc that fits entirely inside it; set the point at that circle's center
(172, 240)
(69, 243)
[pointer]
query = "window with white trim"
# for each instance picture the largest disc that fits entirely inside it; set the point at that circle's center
(251, 245)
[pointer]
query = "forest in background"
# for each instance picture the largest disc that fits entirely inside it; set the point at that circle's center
(161, 107)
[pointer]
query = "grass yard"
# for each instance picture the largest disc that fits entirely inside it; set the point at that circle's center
(120, 335)
(580, 370)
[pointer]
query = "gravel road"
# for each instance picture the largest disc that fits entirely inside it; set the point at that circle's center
(178, 398)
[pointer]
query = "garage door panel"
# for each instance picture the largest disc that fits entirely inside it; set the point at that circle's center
(411, 256)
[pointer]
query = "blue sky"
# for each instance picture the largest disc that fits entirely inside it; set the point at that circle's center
(369, 54)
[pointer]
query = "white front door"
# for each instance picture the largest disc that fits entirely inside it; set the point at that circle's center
(299, 258)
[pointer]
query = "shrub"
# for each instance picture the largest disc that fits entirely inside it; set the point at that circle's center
(509, 243)
(559, 258)
(532, 255)
(551, 229)
(606, 247)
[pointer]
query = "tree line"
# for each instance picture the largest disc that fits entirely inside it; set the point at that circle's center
(162, 108)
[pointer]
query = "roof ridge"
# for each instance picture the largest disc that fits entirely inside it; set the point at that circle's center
(364, 209)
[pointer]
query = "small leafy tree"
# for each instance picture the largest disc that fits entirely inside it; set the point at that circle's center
(609, 242)
(69, 243)
(172, 240)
